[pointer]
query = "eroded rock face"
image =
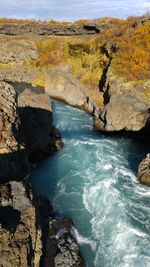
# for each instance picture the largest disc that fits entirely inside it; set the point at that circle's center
(62, 249)
(49, 29)
(63, 87)
(144, 171)
(13, 158)
(125, 107)
(17, 51)
(40, 136)
(20, 234)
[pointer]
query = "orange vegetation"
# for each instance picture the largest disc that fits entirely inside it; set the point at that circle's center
(15, 21)
(132, 60)
(63, 23)
(49, 53)
(83, 54)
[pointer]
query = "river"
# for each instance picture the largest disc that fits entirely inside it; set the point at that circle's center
(92, 181)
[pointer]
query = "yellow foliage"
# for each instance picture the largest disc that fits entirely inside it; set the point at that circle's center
(15, 21)
(81, 54)
(49, 53)
(133, 58)
(63, 23)
(40, 80)
(82, 21)
(84, 56)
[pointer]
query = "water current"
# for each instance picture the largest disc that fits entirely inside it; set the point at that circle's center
(93, 182)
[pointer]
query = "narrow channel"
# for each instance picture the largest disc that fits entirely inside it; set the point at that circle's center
(93, 182)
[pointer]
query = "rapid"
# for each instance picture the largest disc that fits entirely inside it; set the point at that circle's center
(92, 181)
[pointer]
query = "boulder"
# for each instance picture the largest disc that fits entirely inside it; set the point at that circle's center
(62, 86)
(62, 248)
(144, 171)
(123, 113)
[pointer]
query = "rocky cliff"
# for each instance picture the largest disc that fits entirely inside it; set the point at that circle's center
(20, 234)
(30, 233)
(126, 96)
(126, 107)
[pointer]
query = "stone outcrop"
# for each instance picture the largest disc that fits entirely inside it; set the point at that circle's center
(13, 158)
(20, 234)
(62, 86)
(18, 73)
(126, 107)
(41, 28)
(144, 171)
(17, 51)
(62, 249)
(40, 136)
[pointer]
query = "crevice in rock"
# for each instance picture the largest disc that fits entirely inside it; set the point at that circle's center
(102, 82)
(108, 50)
(30, 254)
(91, 28)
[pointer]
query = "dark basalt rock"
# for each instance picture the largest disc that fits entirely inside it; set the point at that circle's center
(144, 171)
(20, 234)
(40, 28)
(14, 163)
(62, 249)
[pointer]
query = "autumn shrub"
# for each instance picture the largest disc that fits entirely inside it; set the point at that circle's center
(49, 53)
(81, 22)
(85, 59)
(56, 22)
(15, 21)
(133, 58)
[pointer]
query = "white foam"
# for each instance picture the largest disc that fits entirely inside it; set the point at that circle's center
(107, 167)
(82, 240)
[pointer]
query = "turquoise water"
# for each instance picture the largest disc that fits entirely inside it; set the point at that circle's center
(92, 181)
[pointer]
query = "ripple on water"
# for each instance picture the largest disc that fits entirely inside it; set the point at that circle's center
(92, 181)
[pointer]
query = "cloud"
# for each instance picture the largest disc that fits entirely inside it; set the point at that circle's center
(72, 9)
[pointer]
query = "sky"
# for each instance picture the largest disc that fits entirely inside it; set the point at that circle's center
(70, 10)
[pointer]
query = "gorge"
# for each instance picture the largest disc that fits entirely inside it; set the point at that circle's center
(93, 182)
(69, 179)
